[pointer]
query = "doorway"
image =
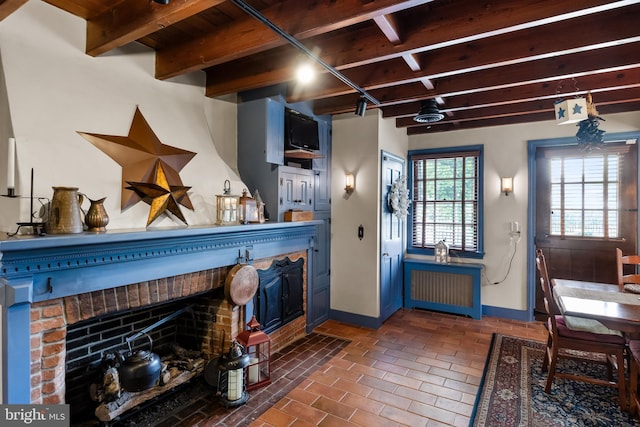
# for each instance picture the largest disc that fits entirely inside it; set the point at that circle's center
(582, 205)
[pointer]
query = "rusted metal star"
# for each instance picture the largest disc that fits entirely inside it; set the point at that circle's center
(139, 153)
(161, 196)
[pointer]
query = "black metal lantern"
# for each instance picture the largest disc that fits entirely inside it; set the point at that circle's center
(231, 376)
(258, 346)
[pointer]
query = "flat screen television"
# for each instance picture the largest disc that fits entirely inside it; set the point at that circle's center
(300, 131)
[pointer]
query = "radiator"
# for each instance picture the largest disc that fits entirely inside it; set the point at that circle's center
(452, 288)
(443, 288)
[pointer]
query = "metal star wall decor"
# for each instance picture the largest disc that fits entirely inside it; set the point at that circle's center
(161, 196)
(142, 156)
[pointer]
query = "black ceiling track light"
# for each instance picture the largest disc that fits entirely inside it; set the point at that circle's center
(162, 1)
(364, 95)
(361, 106)
(429, 112)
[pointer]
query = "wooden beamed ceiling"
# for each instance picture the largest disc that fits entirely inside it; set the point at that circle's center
(487, 63)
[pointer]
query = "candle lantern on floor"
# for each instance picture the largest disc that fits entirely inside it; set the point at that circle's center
(231, 379)
(227, 206)
(441, 252)
(258, 347)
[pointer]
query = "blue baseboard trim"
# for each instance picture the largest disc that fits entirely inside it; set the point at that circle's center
(355, 319)
(507, 313)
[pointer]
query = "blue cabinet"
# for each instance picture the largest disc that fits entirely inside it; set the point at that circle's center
(263, 165)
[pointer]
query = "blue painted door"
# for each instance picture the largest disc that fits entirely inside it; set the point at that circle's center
(391, 240)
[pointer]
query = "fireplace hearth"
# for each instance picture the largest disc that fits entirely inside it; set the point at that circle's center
(49, 284)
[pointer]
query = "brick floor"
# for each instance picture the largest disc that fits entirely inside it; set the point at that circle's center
(420, 368)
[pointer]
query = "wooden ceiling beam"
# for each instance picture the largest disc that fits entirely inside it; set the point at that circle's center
(248, 36)
(509, 95)
(132, 19)
(567, 71)
(7, 7)
(455, 59)
(528, 107)
(522, 46)
(511, 120)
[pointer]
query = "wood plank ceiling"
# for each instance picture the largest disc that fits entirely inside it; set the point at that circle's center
(486, 63)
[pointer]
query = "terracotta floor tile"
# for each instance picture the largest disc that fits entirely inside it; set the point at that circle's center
(304, 412)
(333, 407)
(325, 390)
(277, 418)
(432, 412)
(390, 399)
(404, 417)
(352, 387)
(362, 403)
(419, 369)
(367, 419)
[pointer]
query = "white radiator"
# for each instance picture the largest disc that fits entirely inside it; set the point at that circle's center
(442, 288)
(452, 288)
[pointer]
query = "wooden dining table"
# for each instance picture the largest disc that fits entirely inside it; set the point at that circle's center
(600, 301)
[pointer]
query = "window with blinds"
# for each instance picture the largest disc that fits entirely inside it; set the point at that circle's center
(446, 199)
(585, 193)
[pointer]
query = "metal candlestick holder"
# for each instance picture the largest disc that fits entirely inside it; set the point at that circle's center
(38, 228)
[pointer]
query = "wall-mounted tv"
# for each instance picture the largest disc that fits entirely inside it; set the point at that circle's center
(300, 131)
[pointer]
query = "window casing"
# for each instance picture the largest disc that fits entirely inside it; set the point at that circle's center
(446, 192)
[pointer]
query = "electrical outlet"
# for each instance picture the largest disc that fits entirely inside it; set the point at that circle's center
(514, 228)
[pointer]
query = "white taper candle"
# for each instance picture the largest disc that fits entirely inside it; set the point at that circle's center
(11, 164)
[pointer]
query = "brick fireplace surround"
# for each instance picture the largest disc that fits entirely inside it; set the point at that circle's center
(48, 283)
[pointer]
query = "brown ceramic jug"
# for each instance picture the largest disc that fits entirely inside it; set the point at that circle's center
(65, 215)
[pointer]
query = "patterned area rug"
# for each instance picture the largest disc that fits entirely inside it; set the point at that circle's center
(512, 391)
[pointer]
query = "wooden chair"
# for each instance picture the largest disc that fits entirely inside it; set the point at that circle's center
(627, 282)
(634, 363)
(561, 339)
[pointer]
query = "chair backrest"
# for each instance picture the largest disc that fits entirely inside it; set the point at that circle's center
(549, 302)
(621, 262)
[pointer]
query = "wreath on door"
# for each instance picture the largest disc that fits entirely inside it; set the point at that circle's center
(398, 198)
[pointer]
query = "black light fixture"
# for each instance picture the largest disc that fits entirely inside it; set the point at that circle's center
(429, 112)
(361, 106)
(162, 1)
(295, 43)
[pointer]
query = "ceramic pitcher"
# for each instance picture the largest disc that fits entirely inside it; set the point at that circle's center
(65, 215)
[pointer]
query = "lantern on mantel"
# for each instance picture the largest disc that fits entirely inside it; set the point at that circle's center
(248, 209)
(441, 251)
(258, 347)
(231, 378)
(227, 206)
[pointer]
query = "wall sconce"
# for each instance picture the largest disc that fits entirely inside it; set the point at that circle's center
(506, 185)
(349, 183)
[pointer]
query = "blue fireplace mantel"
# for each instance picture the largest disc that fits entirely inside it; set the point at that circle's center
(40, 268)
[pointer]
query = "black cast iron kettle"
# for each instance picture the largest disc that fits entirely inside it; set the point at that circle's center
(139, 370)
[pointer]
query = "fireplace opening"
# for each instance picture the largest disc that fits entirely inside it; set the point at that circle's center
(183, 343)
(98, 323)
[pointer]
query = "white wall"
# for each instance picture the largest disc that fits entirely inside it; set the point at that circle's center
(505, 150)
(54, 90)
(355, 267)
